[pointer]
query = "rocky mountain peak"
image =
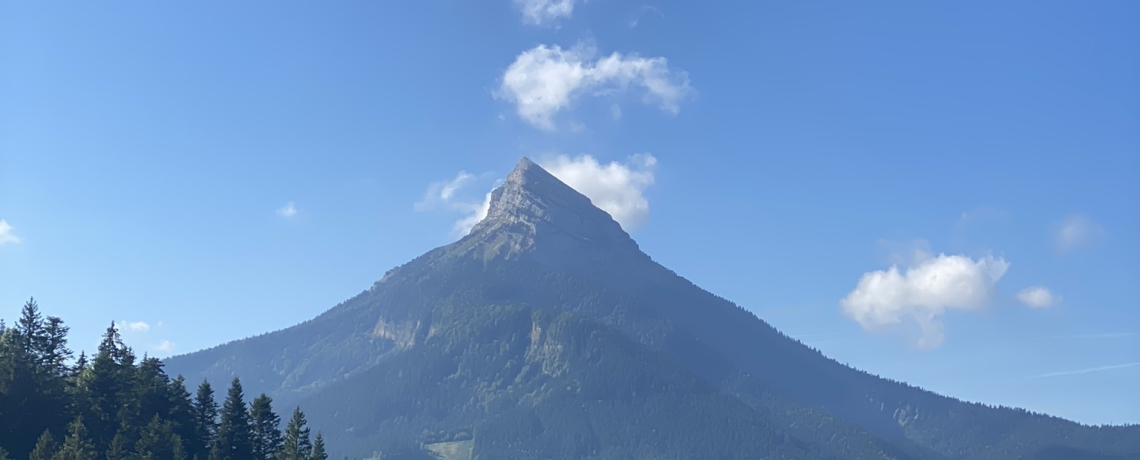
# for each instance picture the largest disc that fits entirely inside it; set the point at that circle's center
(535, 204)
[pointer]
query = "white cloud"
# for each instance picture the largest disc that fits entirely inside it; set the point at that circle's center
(287, 211)
(136, 326)
(1076, 230)
(544, 12)
(1037, 297)
(617, 188)
(615, 111)
(6, 235)
(921, 295)
(546, 79)
(164, 346)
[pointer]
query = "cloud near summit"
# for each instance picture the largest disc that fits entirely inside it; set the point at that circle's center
(545, 80)
(616, 187)
(914, 300)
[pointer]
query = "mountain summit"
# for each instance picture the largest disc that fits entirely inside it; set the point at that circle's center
(533, 206)
(546, 333)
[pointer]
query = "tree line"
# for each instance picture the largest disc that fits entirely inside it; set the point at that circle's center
(115, 406)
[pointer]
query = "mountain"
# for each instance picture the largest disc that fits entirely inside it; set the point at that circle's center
(547, 333)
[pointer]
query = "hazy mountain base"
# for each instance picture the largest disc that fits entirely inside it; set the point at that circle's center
(532, 383)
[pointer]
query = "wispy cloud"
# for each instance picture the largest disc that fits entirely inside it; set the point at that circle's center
(914, 300)
(164, 346)
(1103, 335)
(1037, 297)
(136, 326)
(287, 211)
(6, 235)
(1086, 370)
(544, 12)
(1075, 231)
(545, 80)
(448, 195)
(641, 12)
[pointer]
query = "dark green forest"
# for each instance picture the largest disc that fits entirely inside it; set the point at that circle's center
(115, 406)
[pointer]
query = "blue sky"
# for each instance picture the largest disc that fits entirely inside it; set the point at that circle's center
(212, 170)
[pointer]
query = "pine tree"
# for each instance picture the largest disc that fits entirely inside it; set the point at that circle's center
(45, 447)
(296, 444)
(109, 383)
(118, 450)
(205, 420)
(319, 449)
(154, 440)
(78, 445)
(266, 427)
(177, 449)
(180, 414)
(234, 441)
(3, 453)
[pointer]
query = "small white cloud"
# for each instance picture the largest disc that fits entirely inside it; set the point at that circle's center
(1037, 297)
(6, 235)
(544, 12)
(920, 296)
(287, 211)
(617, 188)
(615, 111)
(1075, 231)
(547, 79)
(164, 346)
(137, 326)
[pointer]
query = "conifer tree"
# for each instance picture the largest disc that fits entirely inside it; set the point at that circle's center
(177, 449)
(154, 440)
(319, 449)
(266, 427)
(3, 453)
(205, 420)
(296, 445)
(78, 445)
(234, 441)
(45, 449)
(118, 450)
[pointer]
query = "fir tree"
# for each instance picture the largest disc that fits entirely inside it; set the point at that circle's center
(45, 447)
(234, 441)
(119, 449)
(296, 445)
(266, 427)
(177, 449)
(78, 445)
(319, 449)
(205, 420)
